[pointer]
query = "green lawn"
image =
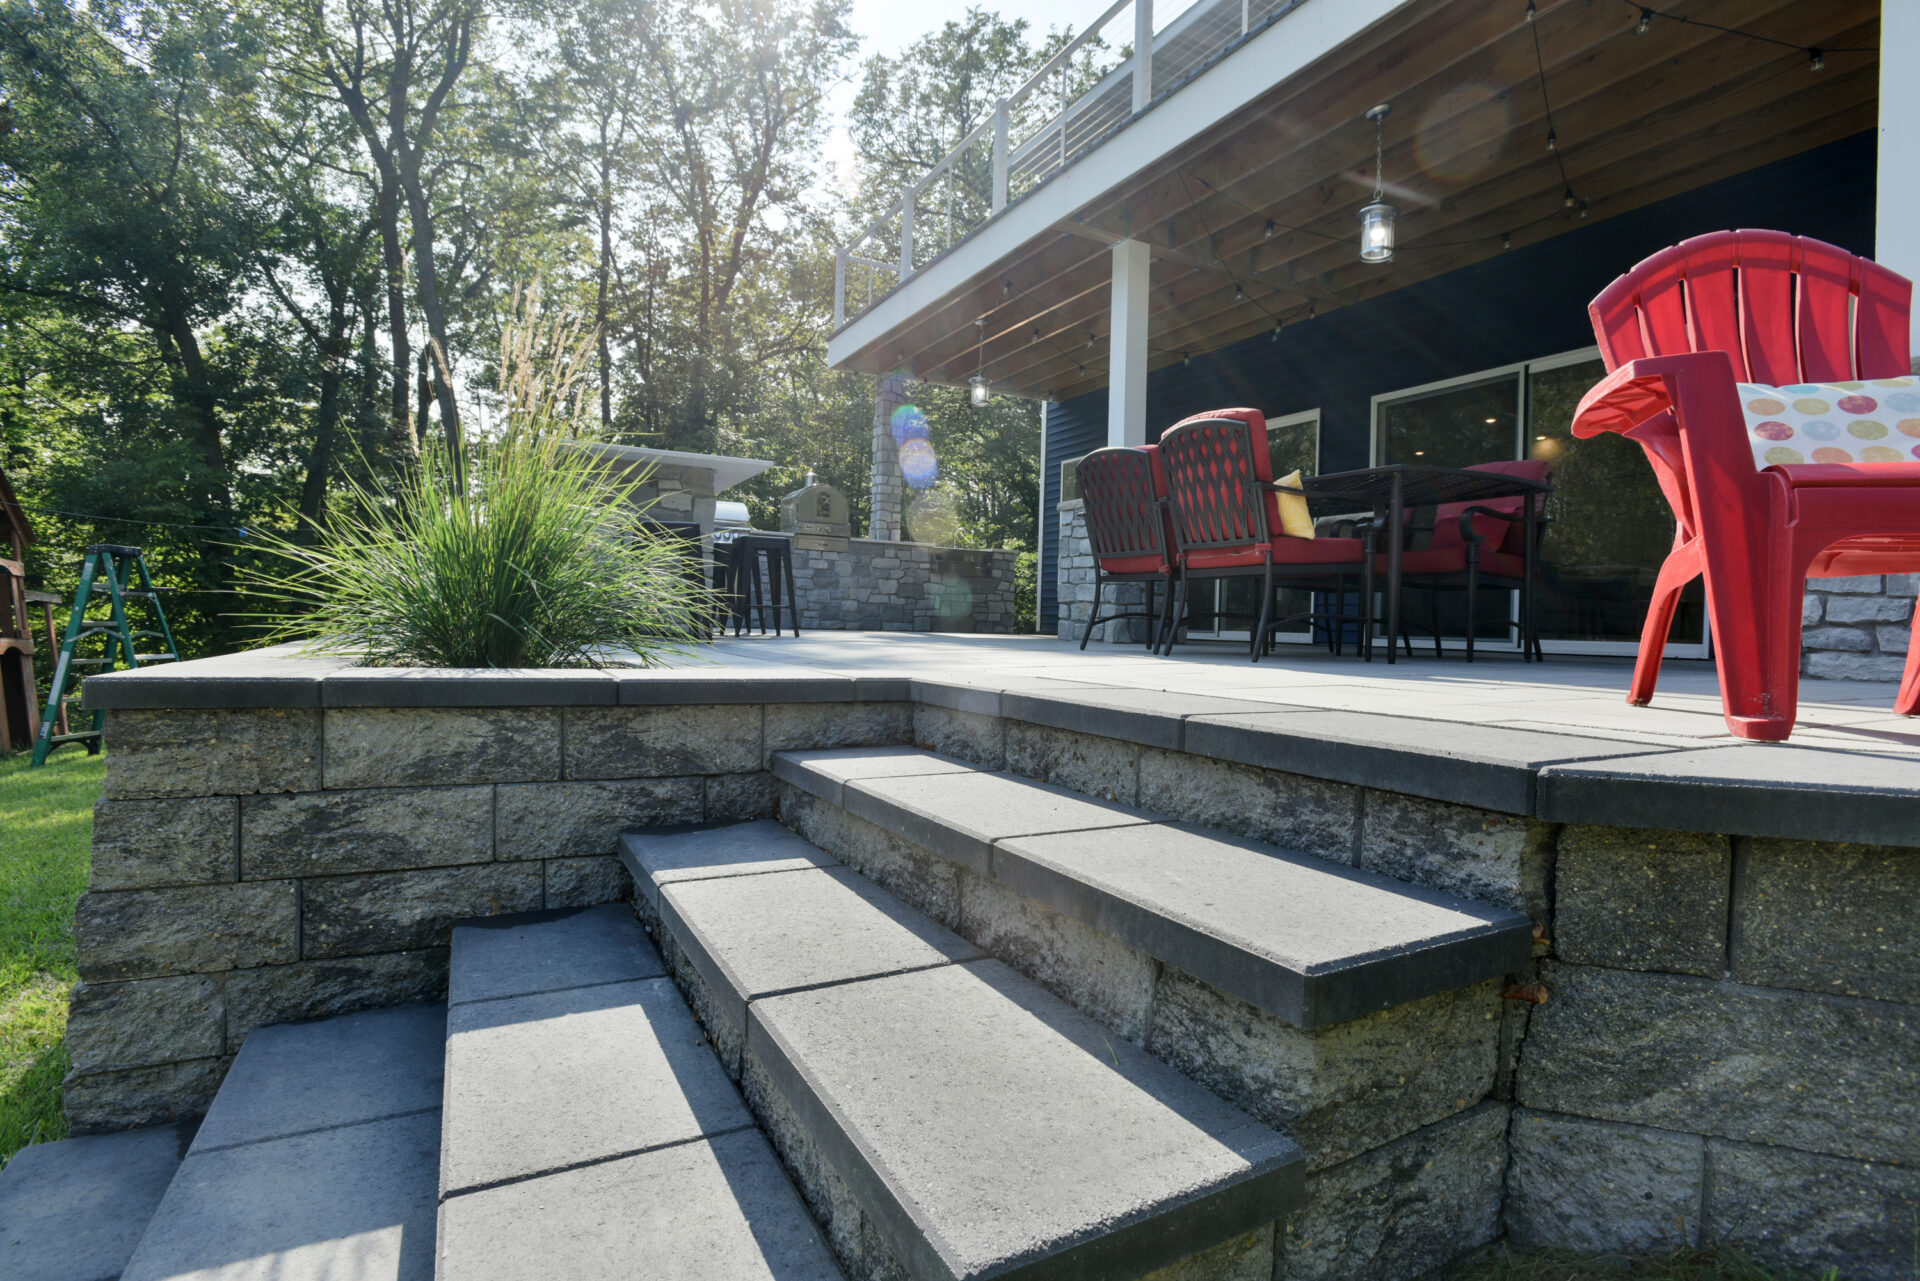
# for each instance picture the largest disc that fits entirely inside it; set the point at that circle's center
(46, 827)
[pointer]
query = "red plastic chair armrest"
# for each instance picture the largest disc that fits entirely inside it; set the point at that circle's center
(1640, 389)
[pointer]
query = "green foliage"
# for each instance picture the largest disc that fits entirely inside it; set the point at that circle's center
(526, 566)
(213, 313)
(46, 827)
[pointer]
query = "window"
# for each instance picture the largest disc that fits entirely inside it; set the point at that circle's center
(1608, 528)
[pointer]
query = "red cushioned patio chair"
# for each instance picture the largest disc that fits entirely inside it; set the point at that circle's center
(1226, 522)
(1123, 496)
(1680, 333)
(1480, 544)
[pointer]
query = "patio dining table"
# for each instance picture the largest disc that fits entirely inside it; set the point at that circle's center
(1392, 489)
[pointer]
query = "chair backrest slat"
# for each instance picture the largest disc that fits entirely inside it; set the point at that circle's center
(1822, 311)
(1122, 512)
(1766, 307)
(1713, 297)
(1785, 309)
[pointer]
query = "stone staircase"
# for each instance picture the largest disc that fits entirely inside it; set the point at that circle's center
(945, 1022)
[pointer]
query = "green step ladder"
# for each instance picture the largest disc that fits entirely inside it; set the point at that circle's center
(120, 574)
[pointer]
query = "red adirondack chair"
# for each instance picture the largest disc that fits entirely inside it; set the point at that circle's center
(1679, 333)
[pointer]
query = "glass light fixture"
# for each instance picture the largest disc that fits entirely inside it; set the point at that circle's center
(981, 389)
(1377, 219)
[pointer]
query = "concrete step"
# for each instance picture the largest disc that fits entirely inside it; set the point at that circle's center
(946, 1117)
(589, 1129)
(1306, 940)
(74, 1210)
(316, 1160)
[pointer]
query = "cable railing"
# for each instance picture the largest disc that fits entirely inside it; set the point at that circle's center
(1062, 110)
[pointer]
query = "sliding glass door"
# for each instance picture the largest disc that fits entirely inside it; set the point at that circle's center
(1608, 528)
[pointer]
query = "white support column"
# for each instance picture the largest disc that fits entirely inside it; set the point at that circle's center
(1896, 236)
(1142, 55)
(1127, 344)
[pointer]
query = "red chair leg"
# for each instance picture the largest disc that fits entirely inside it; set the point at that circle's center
(1750, 590)
(1907, 703)
(1681, 567)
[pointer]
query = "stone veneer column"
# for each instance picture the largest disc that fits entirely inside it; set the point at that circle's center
(889, 488)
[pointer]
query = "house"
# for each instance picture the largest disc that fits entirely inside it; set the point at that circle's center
(1184, 236)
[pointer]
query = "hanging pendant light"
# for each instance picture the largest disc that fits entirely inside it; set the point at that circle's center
(982, 389)
(1377, 219)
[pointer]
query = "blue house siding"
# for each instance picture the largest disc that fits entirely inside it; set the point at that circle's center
(1517, 306)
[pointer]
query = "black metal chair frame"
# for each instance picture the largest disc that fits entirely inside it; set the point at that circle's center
(1191, 500)
(1123, 530)
(1471, 580)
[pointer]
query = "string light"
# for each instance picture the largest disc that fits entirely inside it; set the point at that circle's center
(1816, 57)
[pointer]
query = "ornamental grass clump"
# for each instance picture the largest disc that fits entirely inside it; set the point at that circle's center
(533, 559)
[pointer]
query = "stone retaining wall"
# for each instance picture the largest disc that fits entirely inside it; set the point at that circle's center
(1730, 1049)
(257, 866)
(1729, 1046)
(906, 587)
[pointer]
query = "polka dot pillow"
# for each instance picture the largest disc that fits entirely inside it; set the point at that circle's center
(1866, 422)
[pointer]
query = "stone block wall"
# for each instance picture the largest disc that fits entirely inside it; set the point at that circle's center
(906, 587)
(257, 866)
(1729, 1050)
(1857, 628)
(1076, 588)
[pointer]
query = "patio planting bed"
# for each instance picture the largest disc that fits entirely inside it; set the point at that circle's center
(1724, 931)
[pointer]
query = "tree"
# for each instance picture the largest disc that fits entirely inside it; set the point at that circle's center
(379, 58)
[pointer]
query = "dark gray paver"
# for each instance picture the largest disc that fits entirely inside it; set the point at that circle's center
(826, 773)
(658, 856)
(1310, 941)
(1746, 789)
(296, 1077)
(74, 1210)
(353, 1202)
(540, 1083)
(1149, 717)
(467, 687)
(960, 815)
(988, 1129)
(496, 956)
(751, 936)
(1442, 760)
(717, 1210)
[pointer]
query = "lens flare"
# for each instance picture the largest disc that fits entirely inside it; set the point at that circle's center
(930, 518)
(918, 464)
(1463, 132)
(910, 423)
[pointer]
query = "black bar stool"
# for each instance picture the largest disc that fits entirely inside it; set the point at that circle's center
(750, 594)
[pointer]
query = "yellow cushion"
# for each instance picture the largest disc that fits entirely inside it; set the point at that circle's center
(1295, 522)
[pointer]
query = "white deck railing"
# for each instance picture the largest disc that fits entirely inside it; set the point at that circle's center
(1033, 134)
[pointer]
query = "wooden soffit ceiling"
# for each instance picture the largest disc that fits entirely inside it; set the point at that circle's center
(1638, 118)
